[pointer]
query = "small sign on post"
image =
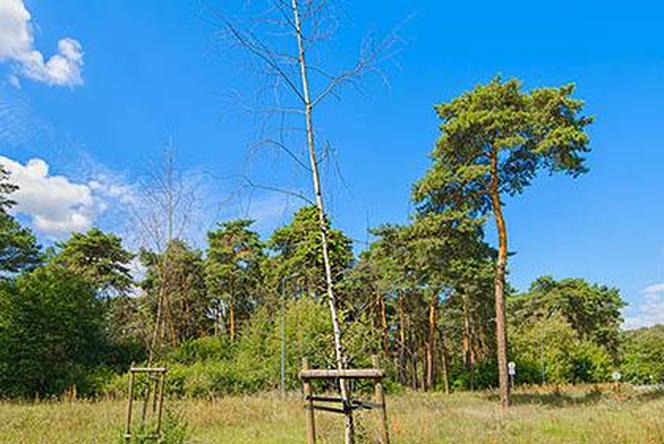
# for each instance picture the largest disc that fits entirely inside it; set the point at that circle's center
(511, 370)
(616, 376)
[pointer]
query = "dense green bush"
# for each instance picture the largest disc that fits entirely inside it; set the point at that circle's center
(643, 355)
(202, 349)
(592, 363)
(51, 333)
(551, 345)
(484, 375)
(213, 366)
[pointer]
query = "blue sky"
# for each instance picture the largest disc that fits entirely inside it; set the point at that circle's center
(153, 70)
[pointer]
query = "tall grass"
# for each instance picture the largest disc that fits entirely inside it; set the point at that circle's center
(552, 415)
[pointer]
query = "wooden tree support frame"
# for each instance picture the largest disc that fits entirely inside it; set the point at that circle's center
(312, 402)
(154, 393)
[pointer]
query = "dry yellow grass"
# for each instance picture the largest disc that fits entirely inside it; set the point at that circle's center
(578, 415)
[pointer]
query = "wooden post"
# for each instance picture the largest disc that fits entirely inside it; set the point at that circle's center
(131, 399)
(161, 402)
(146, 400)
(154, 380)
(308, 406)
(379, 396)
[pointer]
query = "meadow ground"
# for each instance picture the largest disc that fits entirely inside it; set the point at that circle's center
(573, 415)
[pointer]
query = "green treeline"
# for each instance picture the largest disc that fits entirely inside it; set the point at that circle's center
(422, 295)
(72, 317)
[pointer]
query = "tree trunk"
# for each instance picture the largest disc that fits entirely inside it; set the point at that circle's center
(161, 295)
(383, 324)
(170, 321)
(315, 177)
(468, 342)
(413, 362)
(402, 338)
(231, 321)
(431, 344)
(445, 364)
(155, 332)
(499, 283)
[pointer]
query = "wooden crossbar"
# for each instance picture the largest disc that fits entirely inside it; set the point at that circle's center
(155, 383)
(324, 398)
(327, 408)
(356, 373)
(354, 403)
(376, 376)
(147, 370)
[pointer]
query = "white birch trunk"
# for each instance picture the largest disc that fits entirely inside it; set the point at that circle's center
(315, 176)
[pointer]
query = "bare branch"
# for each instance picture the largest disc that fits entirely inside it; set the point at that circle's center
(255, 46)
(370, 57)
(250, 183)
(237, 98)
(283, 147)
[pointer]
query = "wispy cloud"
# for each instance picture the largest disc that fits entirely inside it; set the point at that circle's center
(85, 193)
(654, 289)
(271, 210)
(17, 46)
(268, 210)
(650, 310)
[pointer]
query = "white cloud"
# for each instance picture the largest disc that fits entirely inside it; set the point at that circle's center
(17, 46)
(56, 205)
(650, 311)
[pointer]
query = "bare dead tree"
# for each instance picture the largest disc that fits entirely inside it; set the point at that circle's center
(283, 40)
(163, 208)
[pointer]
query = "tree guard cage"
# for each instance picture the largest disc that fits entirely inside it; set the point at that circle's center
(154, 398)
(313, 402)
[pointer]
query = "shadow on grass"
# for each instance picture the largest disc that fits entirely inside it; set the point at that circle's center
(559, 398)
(651, 394)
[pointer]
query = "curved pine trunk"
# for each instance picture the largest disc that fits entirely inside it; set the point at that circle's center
(430, 360)
(499, 283)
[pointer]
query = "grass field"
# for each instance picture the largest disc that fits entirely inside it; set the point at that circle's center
(575, 415)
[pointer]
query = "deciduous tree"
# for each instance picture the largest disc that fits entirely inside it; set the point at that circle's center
(51, 332)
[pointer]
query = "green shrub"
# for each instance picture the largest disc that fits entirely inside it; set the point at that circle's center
(51, 333)
(174, 430)
(592, 363)
(485, 375)
(643, 355)
(202, 349)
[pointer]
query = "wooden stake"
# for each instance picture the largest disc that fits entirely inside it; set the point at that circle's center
(146, 401)
(161, 402)
(131, 398)
(308, 406)
(379, 398)
(155, 381)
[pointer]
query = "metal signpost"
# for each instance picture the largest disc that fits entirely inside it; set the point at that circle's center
(511, 370)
